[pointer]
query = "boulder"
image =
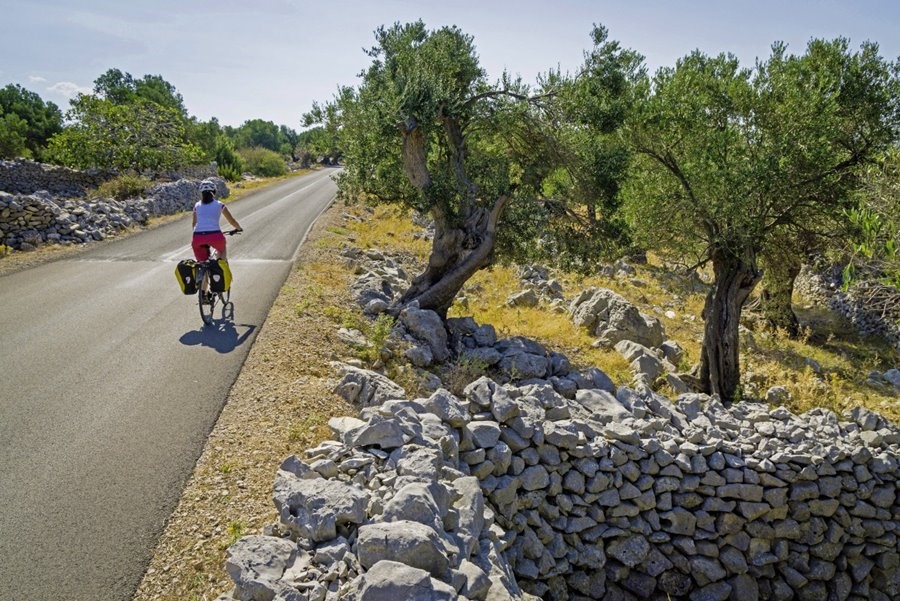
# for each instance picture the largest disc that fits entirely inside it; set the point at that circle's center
(314, 507)
(392, 580)
(404, 541)
(611, 318)
(364, 387)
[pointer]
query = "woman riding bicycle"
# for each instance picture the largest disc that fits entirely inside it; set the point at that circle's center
(207, 232)
(206, 222)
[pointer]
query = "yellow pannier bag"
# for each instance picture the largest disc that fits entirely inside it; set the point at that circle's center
(186, 274)
(220, 276)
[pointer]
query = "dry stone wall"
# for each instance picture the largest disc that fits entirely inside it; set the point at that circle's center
(824, 287)
(516, 491)
(27, 177)
(30, 220)
(553, 483)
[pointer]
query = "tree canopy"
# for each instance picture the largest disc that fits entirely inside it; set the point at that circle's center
(139, 135)
(26, 122)
(121, 88)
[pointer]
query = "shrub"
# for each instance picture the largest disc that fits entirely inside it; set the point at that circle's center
(227, 159)
(230, 172)
(263, 162)
(122, 187)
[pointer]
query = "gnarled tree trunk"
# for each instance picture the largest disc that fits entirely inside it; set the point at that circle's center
(463, 243)
(777, 294)
(457, 252)
(736, 276)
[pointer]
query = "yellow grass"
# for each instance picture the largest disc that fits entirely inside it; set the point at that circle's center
(845, 359)
(388, 228)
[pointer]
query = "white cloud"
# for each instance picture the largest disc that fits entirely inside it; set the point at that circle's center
(68, 89)
(37, 79)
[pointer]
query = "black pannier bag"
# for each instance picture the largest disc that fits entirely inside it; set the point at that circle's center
(186, 274)
(219, 276)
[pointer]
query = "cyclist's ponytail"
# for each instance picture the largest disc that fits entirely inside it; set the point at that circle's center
(208, 197)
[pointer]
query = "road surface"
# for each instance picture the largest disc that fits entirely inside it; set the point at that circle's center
(109, 387)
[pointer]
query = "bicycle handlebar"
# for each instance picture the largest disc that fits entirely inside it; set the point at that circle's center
(233, 232)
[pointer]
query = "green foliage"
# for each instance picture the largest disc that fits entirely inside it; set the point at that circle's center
(229, 162)
(137, 136)
(290, 141)
(205, 135)
(258, 133)
(314, 143)
(733, 158)
(122, 187)
(26, 123)
(874, 247)
(263, 162)
(13, 136)
(230, 172)
(121, 89)
(578, 223)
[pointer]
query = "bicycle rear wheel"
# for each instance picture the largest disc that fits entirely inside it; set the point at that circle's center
(207, 303)
(227, 305)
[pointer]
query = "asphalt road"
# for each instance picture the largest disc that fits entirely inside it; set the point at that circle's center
(109, 387)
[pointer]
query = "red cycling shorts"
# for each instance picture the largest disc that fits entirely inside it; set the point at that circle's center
(202, 241)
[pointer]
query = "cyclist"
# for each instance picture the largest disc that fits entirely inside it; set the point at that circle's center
(207, 213)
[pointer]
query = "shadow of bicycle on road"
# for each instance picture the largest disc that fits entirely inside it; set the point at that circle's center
(222, 335)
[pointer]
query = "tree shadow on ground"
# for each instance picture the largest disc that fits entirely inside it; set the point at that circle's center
(222, 335)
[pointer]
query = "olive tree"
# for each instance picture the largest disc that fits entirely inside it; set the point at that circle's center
(732, 161)
(425, 130)
(579, 223)
(139, 135)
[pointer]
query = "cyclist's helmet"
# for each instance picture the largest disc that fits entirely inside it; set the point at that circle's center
(207, 185)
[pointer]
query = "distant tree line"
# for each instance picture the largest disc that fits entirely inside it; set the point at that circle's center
(707, 163)
(140, 124)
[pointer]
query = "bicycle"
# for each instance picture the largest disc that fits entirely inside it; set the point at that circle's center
(207, 300)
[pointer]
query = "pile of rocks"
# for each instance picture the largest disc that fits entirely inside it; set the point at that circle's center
(538, 286)
(29, 220)
(518, 492)
(612, 319)
(824, 287)
(424, 340)
(381, 279)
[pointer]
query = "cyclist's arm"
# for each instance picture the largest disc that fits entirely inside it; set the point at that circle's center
(231, 219)
(193, 219)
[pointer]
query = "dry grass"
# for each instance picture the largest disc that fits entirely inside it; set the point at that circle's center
(387, 228)
(845, 358)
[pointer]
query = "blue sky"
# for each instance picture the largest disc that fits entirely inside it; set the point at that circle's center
(270, 59)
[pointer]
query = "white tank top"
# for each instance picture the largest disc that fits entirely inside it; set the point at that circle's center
(208, 216)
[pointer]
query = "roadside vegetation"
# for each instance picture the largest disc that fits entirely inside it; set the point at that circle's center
(140, 125)
(773, 358)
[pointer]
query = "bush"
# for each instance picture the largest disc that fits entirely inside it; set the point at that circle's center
(122, 187)
(227, 159)
(263, 162)
(230, 172)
